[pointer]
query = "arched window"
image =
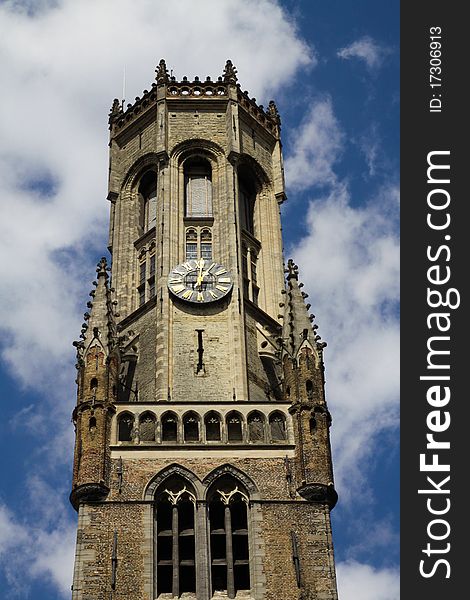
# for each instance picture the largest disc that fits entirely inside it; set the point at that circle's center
(212, 425)
(247, 198)
(228, 522)
(234, 427)
(277, 427)
(249, 271)
(191, 427)
(148, 200)
(256, 427)
(169, 427)
(92, 425)
(175, 545)
(309, 388)
(125, 427)
(191, 244)
(198, 187)
(206, 244)
(147, 427)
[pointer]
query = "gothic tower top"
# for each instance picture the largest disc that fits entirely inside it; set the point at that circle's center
(202, 466)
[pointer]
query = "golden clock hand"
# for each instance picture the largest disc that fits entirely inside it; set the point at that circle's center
(208, 270)
(200, 277)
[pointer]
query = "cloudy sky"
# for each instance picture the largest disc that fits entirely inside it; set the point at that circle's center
(332, 68)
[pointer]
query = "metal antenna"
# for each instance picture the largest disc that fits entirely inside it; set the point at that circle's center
(123, 86)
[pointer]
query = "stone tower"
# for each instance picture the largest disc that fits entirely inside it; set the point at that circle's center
(202, 459)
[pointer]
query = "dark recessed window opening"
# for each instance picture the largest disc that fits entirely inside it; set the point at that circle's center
(175, 553)
(212, 422)
(169, 428)
(125, 427)
(234, 428)
(191, 428)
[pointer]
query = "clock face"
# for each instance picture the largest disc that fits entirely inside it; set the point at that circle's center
(200, 281)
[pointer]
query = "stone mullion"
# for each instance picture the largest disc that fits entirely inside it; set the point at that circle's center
(175, 552)
(229, 553)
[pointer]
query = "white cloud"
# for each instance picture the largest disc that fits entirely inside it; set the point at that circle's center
(60, 70)
(349, 262)
(317, 145)
(62, 63)
(356, 580)
(28, 551)
(365, 49)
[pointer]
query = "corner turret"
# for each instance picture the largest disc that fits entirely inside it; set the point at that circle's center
(98, 360)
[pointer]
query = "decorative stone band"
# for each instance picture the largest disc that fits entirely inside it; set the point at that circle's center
(88, 492)
(319, 492)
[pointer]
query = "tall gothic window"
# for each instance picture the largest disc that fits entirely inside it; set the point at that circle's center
(229, 548)
(198, 188)
(175, 539)
(246, 198)
(148, 200)
(146, 278)
(249, 271)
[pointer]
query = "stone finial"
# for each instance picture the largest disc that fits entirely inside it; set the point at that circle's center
(162, 73)
(102, 268)
(116, 110)
(292, 271)
(230, 73)
(273, 113)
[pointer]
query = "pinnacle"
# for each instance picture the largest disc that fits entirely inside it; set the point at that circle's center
(99, 320)
(297, 327)
(230, 73)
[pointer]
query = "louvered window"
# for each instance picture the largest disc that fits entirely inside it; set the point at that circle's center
(198, 189)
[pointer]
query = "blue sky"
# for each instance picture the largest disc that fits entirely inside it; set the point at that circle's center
(333, 70)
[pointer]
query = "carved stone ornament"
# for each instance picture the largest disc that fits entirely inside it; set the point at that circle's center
(162, 73)
(230, 73)
(319, 492)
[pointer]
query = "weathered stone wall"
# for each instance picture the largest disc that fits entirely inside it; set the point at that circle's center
(278, 514)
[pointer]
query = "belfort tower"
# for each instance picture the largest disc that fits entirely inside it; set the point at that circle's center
(202, 461)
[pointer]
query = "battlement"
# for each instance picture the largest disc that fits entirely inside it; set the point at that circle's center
(167, 87)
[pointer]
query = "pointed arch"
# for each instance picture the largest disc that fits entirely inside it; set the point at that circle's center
(191, 427)
(235, 427)
(125, 426)
(213, 426)
(277, 426)
(169, 426)
(172, 471)
(256, 427)
(237, 474)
